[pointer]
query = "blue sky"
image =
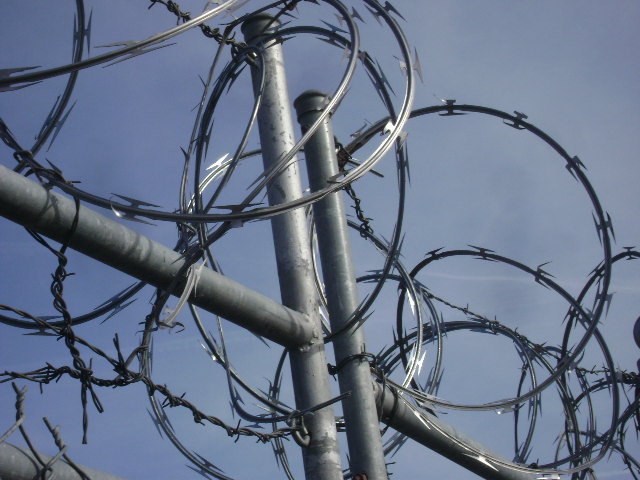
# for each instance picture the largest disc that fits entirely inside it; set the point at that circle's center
(570, 66)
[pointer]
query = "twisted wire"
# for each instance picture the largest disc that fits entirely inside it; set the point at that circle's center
(199, 228)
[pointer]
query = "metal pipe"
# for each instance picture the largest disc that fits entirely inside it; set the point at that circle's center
(361, 417)
(293, 255)
(436, 435)
(19, 464)
(30, 204)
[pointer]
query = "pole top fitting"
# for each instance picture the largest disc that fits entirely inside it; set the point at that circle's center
(310, 101)
(257, 25)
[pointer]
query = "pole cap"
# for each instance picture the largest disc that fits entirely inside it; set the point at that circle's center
(257, 25)
(311, 101)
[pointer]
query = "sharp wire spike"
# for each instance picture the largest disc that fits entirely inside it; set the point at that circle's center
(59, 124)
(203, 473)
(346, 53)
(135, 204)
(391, 9)
(7, 72)
(600, 228)
(49, 118)
(358, 132)
(207, 463)
(333, 28)
(156, 422)
(117, 309)
(218, 163)
(383, 78)
(330, 41)
(7, 137)
(88, 31)
(610, 226)
(355, 15)
(402, 64)
(416, 65)
(482, 459)
(517, 122)
(134, 53)
(375, 14)
(450, 103)
(483, 251)
(124, 43)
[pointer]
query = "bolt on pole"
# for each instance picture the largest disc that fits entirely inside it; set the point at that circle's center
(360, 413)
(293, 254)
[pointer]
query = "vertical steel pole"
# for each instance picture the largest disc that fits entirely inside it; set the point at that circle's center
(293, 255)
(361, 417)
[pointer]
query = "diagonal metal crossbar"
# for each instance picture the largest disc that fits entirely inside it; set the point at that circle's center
(52, 215)
(428, 430)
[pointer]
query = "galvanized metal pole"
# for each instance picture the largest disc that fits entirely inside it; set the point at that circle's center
(436, 435)
(293, 255)
(30, 204)
(360, 413)
(19, 464)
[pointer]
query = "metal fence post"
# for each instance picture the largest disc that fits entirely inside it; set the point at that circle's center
(361, 417)
(293, 255)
